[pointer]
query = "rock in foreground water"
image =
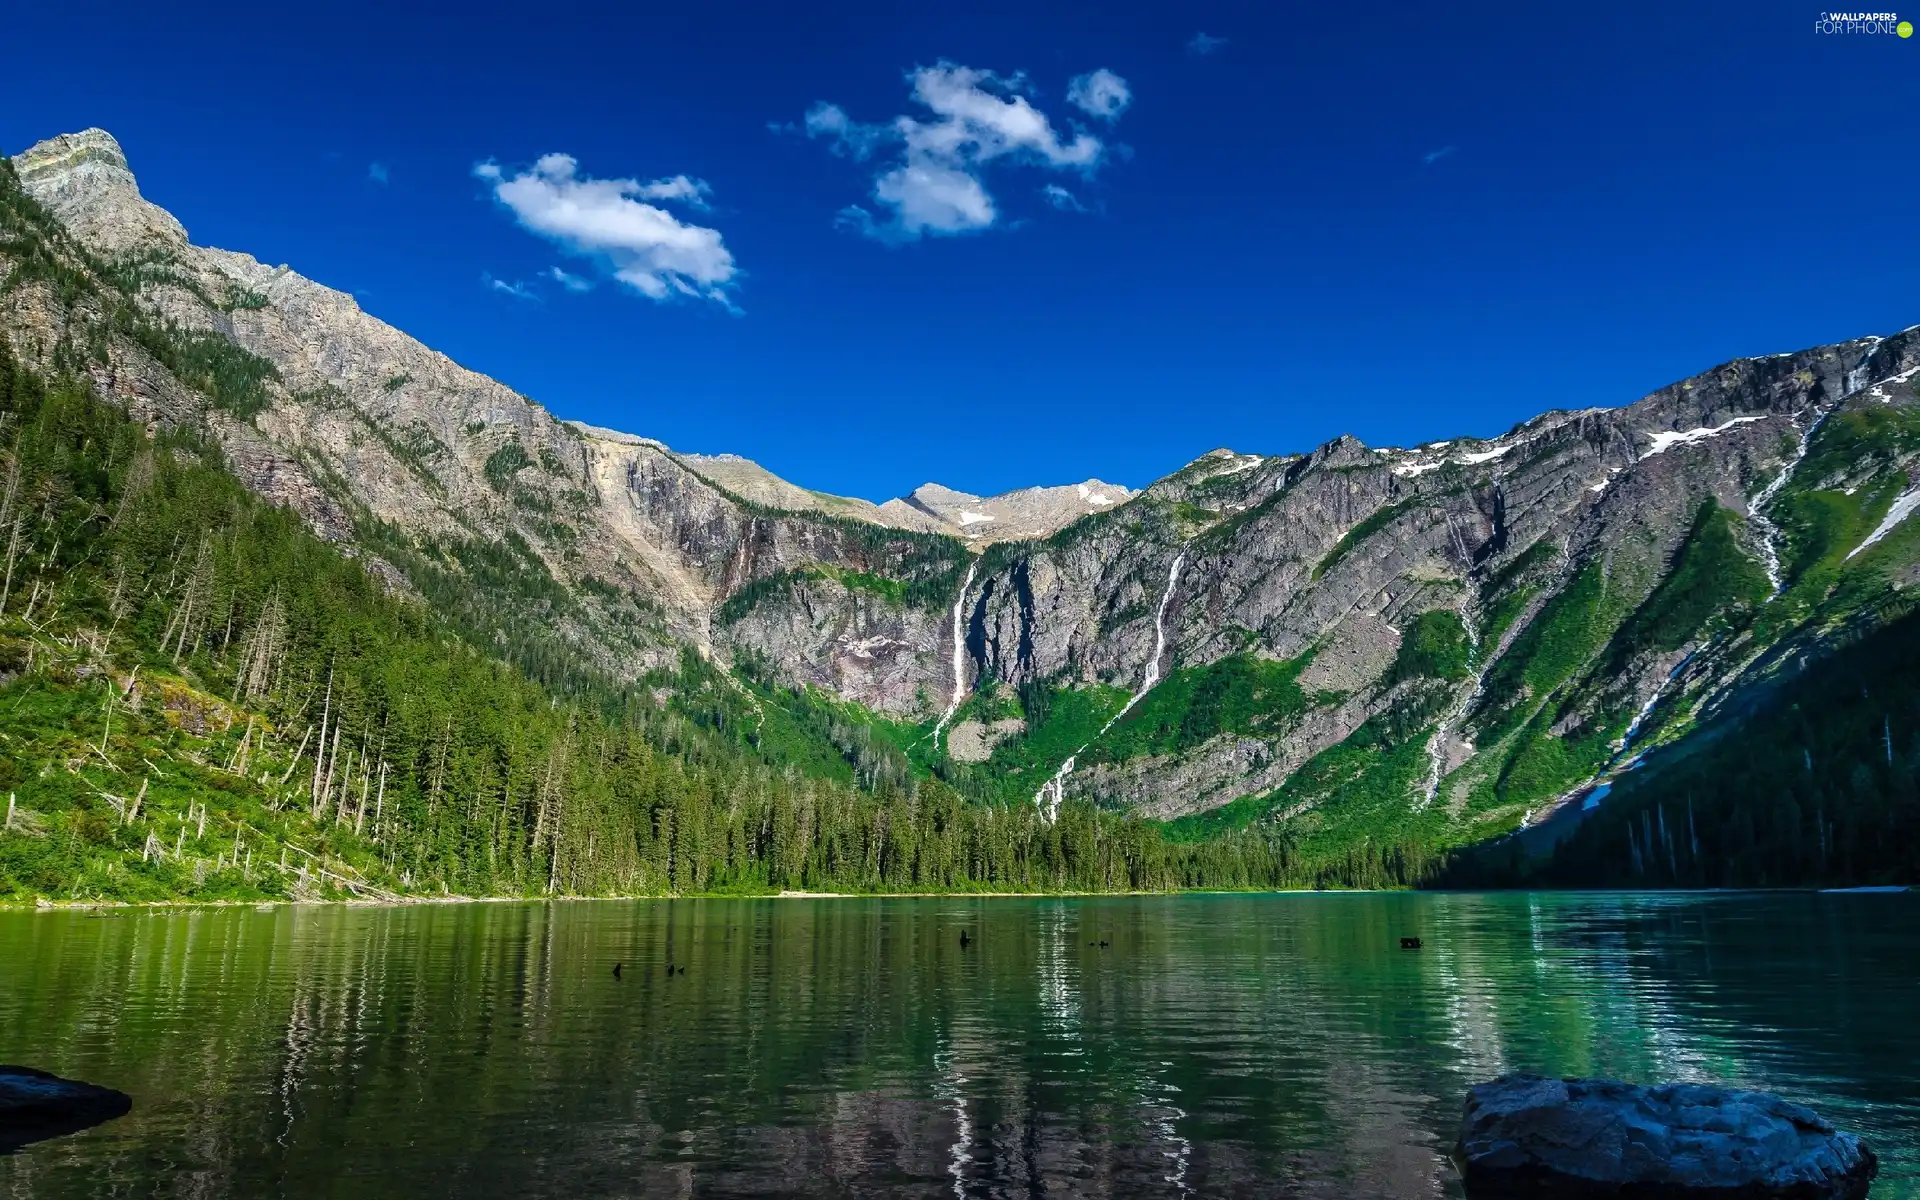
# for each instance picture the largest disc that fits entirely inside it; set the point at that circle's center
(35, 1106)
(1526, 1135)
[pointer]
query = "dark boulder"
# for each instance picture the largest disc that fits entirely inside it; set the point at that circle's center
(35, 1106)
(1525, 1135)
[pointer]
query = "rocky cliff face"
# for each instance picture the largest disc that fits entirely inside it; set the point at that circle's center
(1363, 644)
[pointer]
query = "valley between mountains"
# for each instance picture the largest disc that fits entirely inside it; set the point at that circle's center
(1357, 657)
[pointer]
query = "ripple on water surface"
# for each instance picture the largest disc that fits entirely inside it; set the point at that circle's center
(1215, 1045)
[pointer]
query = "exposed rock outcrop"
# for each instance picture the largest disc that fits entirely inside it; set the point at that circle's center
(1529, 1136)
(36, 1105)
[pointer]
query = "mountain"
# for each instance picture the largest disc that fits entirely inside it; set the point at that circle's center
(200, 698)
(1354, 646)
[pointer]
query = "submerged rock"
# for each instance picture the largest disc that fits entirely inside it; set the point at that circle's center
(1526, 1135)
(35, 1105)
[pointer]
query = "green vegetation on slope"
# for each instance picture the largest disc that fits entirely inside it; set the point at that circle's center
(782, 583)
(1059, 722)
(1561, 638)
(1711, 580)
(1434, 645)
(1712, 576)
(1241, 693)
(1819, 786)
(1823, 525)
(1349, 811)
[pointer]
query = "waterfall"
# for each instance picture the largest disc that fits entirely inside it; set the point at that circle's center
(1756, 508)
(959, 654)
(1053, 791)
(1159, 647)
(1437, 745)
(1646, 710)
(1903, 507)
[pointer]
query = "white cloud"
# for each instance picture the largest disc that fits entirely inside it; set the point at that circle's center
(1204, 44)
(377, 172)
(691, 192)
(936, 185)
(568, 280)
(848, 136)
(1100, 93)
(519, 291)
(646, 247)
(1062, 199)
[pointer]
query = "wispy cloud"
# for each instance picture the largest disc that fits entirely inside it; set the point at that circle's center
(934, 180)
(569, 281)
(1433, 156)
(1100, 94)
(1203, 44)
(608, 221)
(377, 172)
(691, 192)
(1062, 199)
(519, 291)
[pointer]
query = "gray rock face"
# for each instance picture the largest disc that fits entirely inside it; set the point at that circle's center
(973, 741)
(1529, 1136)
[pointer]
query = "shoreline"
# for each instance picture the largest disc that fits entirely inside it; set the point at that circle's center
(51, 906)
(60, 906)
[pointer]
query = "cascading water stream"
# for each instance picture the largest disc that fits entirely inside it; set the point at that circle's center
(1048, 799)
(959, 654)
(1757, 507)
(1646, 710)
(1437, 745)
(1159, 646)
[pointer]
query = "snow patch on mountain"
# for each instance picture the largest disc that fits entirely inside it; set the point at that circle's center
(1667, 440)
(1903, 506)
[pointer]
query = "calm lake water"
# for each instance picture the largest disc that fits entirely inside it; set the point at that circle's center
(1219, 1045)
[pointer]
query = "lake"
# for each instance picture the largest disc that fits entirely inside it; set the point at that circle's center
(1216, 1045)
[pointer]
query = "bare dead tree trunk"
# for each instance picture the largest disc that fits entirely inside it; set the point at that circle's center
(13, 554)
(296, 756)
(320, 754)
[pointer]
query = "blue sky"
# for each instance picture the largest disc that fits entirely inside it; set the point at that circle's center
(1400, 222)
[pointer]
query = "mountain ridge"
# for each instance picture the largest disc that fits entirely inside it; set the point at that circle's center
(1430, 643)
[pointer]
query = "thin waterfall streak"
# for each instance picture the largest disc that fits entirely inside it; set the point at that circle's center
(1646, 710)
(1437, 745)
(1769, 533)
(1051, 794)
(959, 654)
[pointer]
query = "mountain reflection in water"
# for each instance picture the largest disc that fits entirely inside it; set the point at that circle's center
(1217, 1045)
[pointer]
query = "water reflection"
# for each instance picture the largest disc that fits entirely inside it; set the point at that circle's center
(1216, 1046)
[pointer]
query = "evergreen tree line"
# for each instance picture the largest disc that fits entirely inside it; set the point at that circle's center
(185, 616)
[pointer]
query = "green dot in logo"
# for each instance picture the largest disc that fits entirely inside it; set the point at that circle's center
(1904, 29)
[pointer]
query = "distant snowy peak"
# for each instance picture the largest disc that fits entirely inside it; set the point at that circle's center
(1027, 513)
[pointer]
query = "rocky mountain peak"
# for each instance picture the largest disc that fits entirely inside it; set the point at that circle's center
(70, 150)
(1345, 451)
(85, 177)
(933, 495)
(1024, 513)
